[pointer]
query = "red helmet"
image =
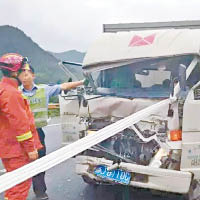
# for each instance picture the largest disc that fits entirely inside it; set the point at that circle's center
(12, 62)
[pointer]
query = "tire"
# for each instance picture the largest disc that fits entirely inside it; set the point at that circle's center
(89, 181)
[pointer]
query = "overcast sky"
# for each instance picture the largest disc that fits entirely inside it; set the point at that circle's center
(61, 25)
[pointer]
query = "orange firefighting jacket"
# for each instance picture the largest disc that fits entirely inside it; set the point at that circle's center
(17, 131)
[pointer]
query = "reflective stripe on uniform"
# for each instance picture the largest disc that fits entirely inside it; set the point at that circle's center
(24, 97)
(24, 137)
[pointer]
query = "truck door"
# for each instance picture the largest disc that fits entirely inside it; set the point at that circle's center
(190, 160)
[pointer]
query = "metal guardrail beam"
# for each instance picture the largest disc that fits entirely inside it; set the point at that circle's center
(17, 176)
(53, 105)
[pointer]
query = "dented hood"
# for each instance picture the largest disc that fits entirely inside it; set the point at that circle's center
(115, 107)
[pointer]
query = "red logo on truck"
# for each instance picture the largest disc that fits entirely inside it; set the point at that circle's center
(141, 41)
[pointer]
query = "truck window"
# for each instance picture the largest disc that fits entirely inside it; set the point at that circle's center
(148, 78)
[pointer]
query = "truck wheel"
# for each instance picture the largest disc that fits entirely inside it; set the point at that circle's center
(89, 181)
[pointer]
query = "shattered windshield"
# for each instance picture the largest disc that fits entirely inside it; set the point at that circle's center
(148, 78)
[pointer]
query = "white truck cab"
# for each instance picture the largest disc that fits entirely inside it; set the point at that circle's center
(129, 71)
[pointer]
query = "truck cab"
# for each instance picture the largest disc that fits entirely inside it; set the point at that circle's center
(130, 71)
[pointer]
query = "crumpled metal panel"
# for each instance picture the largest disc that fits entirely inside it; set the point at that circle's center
(117, 107)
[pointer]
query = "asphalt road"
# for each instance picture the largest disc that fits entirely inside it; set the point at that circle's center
(64, 184)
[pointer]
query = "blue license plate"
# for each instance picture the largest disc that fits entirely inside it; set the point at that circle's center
(116, 175)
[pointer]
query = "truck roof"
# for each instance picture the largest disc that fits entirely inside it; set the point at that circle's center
(194, 24)
(112, 49)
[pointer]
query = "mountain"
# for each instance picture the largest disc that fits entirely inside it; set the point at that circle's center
(45, 64)
(72, 55)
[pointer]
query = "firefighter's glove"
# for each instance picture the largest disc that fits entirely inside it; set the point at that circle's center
(33, 155)
(85, 82)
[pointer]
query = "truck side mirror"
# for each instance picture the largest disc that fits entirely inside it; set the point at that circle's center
(182, 77)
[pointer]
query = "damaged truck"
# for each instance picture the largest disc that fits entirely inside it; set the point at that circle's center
(131, 67)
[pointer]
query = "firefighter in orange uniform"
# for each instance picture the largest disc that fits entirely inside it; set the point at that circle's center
(18, 136)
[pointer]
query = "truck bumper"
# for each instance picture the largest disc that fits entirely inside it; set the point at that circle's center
(141, 176)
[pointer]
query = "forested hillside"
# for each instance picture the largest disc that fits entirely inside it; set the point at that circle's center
(45, 64)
